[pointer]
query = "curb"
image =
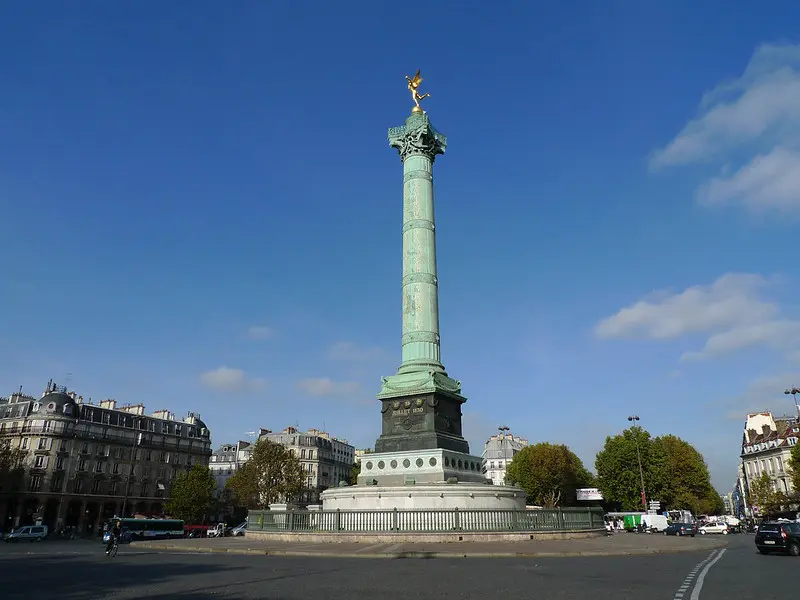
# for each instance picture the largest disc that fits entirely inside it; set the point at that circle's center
(426, 555)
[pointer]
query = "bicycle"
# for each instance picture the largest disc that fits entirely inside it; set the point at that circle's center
(112, 552)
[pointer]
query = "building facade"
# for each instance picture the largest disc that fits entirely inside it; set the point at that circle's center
(498, 452)
(85, 463)
(767, 442)
(226, 460)
(326, 460)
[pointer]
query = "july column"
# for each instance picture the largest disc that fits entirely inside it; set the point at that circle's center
(418, 144)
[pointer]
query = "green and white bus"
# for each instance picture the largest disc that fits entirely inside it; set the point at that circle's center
(152, 529)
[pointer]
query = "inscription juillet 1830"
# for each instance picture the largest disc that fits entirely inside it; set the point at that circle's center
(408, 407)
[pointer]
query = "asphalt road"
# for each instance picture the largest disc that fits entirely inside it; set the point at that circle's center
(80, 570)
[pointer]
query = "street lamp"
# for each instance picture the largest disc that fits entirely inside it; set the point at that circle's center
(635, 419)
(137, 441)
(794, 391)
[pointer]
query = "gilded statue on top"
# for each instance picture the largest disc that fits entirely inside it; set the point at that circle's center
(413, 85)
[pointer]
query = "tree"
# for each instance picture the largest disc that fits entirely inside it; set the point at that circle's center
(355, 471)
(549, 474)
(794, 465)
(685, 479)
(764, 496)
(192, 495)
(675, 473)
(12, 469)
(617, 466)
(272, 474)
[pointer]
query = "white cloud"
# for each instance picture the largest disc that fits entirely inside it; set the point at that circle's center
(766, 102)
(350, 352)
(730, 300)
(755, 118)
(324, 386)
(260, 332)
(769, 181)
(730, 312)
(227, 379)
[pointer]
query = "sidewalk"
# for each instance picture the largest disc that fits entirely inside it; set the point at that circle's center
(621, 544)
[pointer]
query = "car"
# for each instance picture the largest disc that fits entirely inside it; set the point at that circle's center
(681, 529)
(778, 537)
(722, 528)
(32, 533)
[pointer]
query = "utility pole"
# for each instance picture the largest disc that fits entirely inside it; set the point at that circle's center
(635, 419)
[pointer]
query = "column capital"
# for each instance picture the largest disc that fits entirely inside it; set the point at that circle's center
(417, 137)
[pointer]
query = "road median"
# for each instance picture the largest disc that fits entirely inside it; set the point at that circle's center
(620, 544)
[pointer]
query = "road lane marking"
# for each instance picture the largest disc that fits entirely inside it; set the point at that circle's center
(700, 578)
(687, 583)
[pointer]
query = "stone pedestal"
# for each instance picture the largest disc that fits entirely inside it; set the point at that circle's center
(430, 497)
(413, 467)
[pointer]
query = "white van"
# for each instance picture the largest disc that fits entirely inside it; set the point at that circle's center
(32, 533)
(655, 522)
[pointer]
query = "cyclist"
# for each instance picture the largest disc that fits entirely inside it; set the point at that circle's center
(115, 531)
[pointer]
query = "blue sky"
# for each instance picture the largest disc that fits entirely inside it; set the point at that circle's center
(201, 211)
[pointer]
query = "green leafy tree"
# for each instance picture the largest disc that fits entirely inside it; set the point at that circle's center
(617, 466)
(354, 473)
(272, 474)
(549, 474)
(685, 480)
(12, 469)
(762, 494)
(192, 496)
(794, 465)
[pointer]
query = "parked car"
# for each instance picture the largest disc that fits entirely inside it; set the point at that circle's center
(722, 528)
(681, 529)
(778, 537)
(239, 530)
(31, 533)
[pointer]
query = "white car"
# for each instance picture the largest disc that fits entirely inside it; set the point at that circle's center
(715, 528)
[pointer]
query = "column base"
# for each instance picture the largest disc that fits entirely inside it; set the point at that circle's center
(421, 411)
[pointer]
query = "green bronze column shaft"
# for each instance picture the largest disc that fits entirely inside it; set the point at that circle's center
(419, 144)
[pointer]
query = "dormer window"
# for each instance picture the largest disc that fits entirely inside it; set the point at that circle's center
(68, 409)
(51, 406)
(36, 407)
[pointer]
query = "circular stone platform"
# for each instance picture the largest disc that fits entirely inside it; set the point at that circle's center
(436, 496)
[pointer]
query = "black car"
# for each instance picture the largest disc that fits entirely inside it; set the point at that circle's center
(681, 529)
(778, 537)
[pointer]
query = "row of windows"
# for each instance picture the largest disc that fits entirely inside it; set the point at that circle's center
(105, 450)
(84, 466)
(765, 465)
(98, 486)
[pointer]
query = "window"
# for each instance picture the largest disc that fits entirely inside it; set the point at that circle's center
(35, 483)
(82, 464)
(62, 446)
(85, 448)
(117, 452)
(177, 429)
(96, 486)
(36, 406)
(40, 462)
(47, 426)
(112, 488)
(68, 409)
(98, 467)
(78, 486)
(779, 460)
(57, 482)
(60, 463)
(24, 444)
(42, 445)
(148, 455)
(145, 489)
(115, 470)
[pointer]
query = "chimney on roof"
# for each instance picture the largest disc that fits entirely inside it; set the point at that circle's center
(109, 403)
